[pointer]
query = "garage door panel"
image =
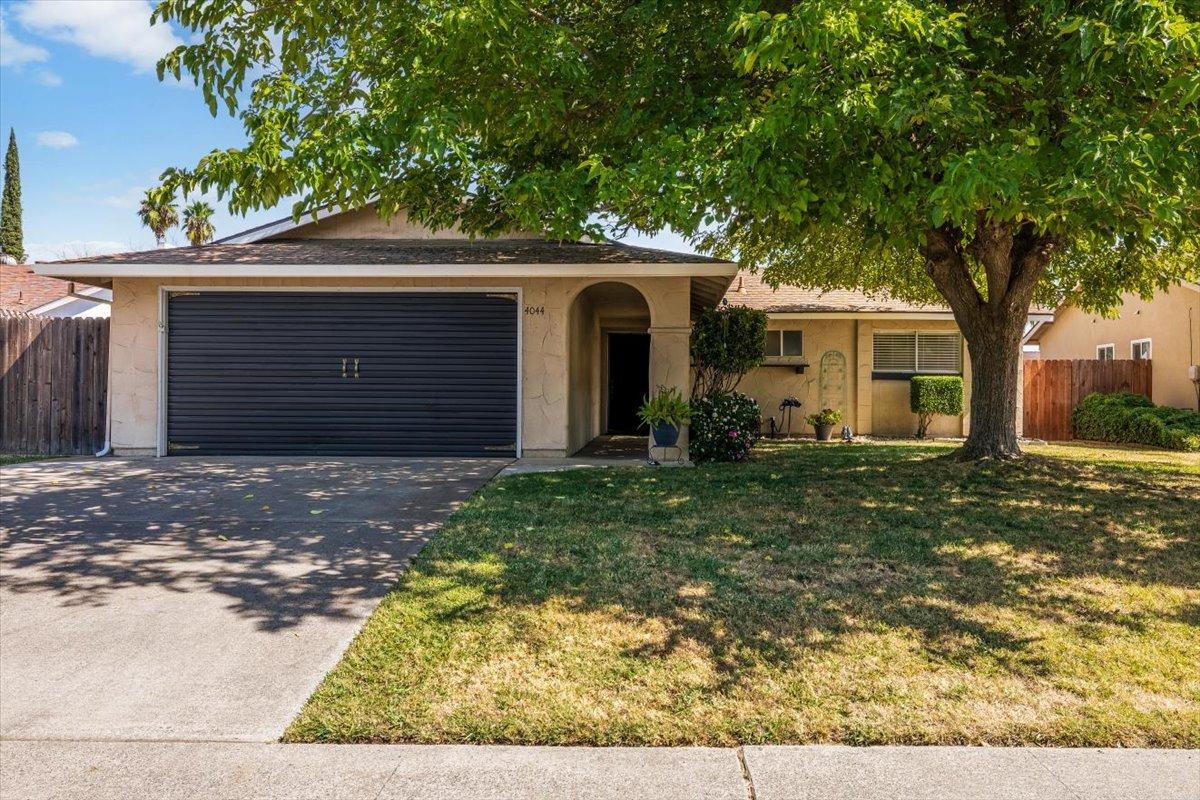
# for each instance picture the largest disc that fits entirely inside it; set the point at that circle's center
(261, 372)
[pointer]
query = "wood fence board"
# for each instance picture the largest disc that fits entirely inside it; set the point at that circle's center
(1054, 387)
(54, 384)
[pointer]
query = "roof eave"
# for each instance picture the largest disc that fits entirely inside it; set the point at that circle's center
(83, 270)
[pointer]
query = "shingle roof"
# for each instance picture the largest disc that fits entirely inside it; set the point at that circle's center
(403, 251)
(21, 289)
(748, 289)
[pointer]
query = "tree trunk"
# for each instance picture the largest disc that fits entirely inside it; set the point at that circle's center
(995, 371)
(1013, 257)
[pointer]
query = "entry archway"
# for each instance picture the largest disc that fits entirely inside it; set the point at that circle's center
(608, 361)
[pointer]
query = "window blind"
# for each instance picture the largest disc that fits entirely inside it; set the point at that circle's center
(895, 352)
(939, 352)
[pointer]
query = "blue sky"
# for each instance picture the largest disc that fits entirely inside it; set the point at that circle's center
(95, 126)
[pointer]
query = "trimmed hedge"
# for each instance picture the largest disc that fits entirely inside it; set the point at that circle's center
(1134, 419)
(934, 394)
(724, 427)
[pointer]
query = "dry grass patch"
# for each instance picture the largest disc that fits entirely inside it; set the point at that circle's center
(857, 594)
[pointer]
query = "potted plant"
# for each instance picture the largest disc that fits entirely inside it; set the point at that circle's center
(664, 413)
(823, 422)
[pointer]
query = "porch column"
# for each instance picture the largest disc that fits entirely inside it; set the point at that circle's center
(670, 366)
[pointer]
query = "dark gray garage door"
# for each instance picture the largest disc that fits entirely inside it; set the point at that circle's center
(341, 373)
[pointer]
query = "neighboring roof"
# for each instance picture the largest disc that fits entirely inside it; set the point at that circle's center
(749, 289)
(22, 289)
(401, 251)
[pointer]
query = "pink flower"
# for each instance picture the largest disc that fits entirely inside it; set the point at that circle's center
(733, 434)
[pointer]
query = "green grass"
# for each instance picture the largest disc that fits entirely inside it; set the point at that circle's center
(7, 459)
(858, 594)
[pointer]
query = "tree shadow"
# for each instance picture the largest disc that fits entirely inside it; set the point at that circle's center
(757, 565)
(283, 540)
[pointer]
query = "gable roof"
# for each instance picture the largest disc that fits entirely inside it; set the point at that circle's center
(749, 289)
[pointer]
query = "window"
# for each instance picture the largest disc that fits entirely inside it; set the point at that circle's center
(1106, 352)
(784, 344)
(904, 351)
(1139, 349)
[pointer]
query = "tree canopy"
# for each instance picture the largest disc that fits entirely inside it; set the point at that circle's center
(775, 131)
(985, 153)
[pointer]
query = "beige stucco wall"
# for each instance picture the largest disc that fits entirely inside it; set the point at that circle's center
(1171, 321)
(365, 223)
(878, 407)
(545, 422)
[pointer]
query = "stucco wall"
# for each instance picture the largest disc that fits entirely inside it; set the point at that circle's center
(878, 407)
(364, 223)
(545, 420)
(1171, 321)
(769, 385)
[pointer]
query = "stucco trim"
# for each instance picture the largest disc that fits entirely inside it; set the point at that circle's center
(165, 290)
(600, 271)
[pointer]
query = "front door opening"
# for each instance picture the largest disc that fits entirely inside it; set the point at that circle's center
(628, 380)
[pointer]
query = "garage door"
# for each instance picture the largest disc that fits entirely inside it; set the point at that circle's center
(342, 373)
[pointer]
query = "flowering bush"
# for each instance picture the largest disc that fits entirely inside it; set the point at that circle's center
(725, 426)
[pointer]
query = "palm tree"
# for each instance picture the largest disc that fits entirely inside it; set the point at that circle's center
(197, 223)
(159, 213)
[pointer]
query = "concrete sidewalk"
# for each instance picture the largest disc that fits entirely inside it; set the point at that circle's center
(32, 770)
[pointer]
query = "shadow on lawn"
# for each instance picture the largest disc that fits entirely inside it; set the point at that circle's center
(757, 563)
(282, 539)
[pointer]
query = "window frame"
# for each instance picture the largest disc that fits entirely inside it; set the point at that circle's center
(1111, 347)
(1133, 343)
(878, 371)
(782, 358)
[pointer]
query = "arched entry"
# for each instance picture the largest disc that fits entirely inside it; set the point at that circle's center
(609, 361)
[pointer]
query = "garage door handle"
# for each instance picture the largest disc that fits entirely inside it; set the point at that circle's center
(356, 369)
(344, 360)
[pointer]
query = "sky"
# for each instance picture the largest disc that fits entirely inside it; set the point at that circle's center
(96, 127)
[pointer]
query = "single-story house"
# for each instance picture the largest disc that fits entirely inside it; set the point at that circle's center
(1164, 329)
(352, 335)
(23, 291)
(852, 352)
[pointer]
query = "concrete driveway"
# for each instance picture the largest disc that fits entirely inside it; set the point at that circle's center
(190, 599)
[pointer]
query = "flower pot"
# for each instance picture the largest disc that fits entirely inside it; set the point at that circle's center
(824, 432)
(666, 435)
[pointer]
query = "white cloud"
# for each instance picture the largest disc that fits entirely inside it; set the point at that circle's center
(116, 29)
(56, 140)
(129, 198)
(14, 52)
(48, 78)
(76, 248)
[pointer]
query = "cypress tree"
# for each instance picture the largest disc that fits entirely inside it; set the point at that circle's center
(12, 240)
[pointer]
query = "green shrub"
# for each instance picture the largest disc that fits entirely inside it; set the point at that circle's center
(929, 395)
(725, 427)
(1134, 419)
(726, 343)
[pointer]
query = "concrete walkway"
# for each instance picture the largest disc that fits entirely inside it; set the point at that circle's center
(32, 770)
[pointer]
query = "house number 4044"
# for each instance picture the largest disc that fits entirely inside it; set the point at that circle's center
(535, 311)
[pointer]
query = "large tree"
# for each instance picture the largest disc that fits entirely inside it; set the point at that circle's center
(12, 238)
(983, 153)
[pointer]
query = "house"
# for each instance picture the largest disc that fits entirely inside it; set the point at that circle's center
(352, 335)
(23, 291)
(852, 352)
(1164, 329)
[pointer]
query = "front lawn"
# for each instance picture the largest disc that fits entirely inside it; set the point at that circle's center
(859, 594)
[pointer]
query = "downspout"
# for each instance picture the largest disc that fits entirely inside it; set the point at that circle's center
(107, 448)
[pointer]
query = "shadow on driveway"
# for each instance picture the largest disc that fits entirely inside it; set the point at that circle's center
(198, 597)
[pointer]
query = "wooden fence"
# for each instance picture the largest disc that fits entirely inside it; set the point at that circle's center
(1054, 387)
(53, 389)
